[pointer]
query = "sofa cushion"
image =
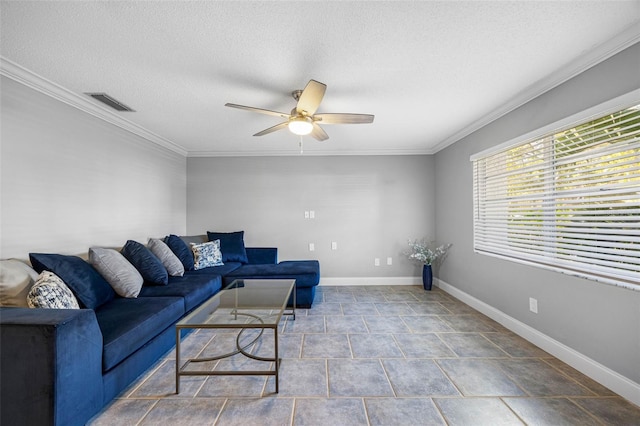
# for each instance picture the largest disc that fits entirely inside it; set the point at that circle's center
(305, 272)
(172, 264)
(195, 289)
(152, 270)
(123, 277)
(206, 255)
(215, 270)
(50, 292)
(128, 324)
(181, 250)
(16, 279)
(91, 289)
(231, 245)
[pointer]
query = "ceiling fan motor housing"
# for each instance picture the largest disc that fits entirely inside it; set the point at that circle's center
(296, 94)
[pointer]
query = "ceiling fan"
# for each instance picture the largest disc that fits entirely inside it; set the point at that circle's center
(303, 119)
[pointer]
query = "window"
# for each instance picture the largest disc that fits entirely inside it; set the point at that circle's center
(567, 200)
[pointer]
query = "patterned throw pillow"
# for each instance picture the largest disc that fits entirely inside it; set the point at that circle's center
(206, 255)
(51, 292)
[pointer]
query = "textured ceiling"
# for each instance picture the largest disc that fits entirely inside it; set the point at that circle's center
(430, 71)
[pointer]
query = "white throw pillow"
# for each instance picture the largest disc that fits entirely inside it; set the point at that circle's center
(51, 292)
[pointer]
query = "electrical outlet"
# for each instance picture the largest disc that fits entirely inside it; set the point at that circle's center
(306, 214)
(376, 262)
(312, 247)
(334, 245)
(533, 305)
(312, 214)
(389, 261)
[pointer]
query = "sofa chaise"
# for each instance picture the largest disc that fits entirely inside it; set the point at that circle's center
(62, 366)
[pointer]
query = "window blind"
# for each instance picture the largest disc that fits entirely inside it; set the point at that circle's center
(569, 200)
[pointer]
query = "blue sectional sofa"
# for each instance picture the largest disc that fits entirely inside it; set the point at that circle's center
(61, 366)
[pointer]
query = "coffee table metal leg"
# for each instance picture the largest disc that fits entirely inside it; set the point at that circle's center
(277, 360)
(177, 360)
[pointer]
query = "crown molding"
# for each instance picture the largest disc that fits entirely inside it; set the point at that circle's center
(293, 152)
(626, 38)
(34, 81)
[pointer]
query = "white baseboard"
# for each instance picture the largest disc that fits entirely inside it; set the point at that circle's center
(342, 281)
(618, 383)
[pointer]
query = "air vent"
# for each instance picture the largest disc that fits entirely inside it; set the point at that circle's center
(108, 100)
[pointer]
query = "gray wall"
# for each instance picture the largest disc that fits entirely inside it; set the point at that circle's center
(369, 205)
(70, 180)
(598, 320)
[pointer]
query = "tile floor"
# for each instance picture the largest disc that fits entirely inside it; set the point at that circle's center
(376, 355)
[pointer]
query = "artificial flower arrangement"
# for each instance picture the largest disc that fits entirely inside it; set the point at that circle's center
(426, 252)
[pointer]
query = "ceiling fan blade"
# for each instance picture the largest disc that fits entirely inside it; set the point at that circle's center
(272, 129)
(343, 118)
(318, 133)
(311, 97)
(260, 110)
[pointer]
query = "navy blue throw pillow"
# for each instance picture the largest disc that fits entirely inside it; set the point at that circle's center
(181, 250)
(84, 281)
(150, 267)
(231, 245)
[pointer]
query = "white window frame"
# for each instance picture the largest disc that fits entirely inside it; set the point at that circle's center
(483, 233)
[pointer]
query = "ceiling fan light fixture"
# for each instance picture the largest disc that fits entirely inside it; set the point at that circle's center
(301, 125)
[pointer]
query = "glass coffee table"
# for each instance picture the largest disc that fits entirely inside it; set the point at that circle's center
(244, 305)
